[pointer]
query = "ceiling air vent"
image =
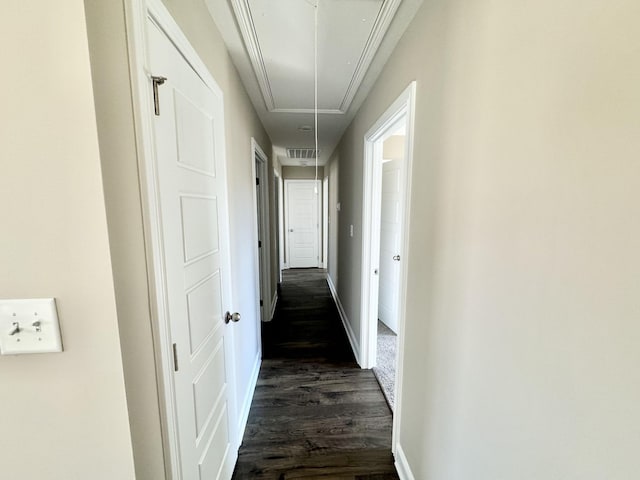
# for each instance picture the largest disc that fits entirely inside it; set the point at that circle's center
(301, 153)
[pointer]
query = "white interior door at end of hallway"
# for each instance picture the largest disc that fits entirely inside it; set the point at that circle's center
(189, 156)
(390, 238)
(302, 200)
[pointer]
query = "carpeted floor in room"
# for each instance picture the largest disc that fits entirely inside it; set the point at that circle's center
(385, 369)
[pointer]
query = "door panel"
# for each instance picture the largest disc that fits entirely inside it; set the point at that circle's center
(207, 386)
(195, 136)
(189, 157)
(199, 226)
(202, 312)
(302, 208)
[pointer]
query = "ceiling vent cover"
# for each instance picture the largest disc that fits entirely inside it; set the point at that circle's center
(301, 153)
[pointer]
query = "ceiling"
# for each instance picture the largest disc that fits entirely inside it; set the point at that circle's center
(271, 42)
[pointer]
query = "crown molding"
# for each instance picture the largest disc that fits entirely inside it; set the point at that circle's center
(308, 110)
(383, 20)
(248, 32)
(242, 12)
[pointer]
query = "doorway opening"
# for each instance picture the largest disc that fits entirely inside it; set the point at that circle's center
(302, 223)
(388, 147)
(392, 204)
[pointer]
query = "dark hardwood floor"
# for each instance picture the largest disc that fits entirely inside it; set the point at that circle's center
(315, 414)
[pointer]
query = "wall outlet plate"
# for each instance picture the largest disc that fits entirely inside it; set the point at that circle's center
(29, 326)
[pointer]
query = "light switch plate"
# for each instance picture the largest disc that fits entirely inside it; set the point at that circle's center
(29, 326)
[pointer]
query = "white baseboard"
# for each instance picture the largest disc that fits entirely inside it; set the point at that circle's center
(274, 302)
(402, 465)
(345, 321)
(243, 415)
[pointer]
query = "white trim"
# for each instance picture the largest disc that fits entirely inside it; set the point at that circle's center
(281, 241)
(345, 320)
(402, 465)
(380, 27)
(403, 106)
(274, 304)
(370, 248)
(324, 111)
(247, 31)
(325, 222)
(243, 415)
(136, 14)
(404, 272)
(262, 263)
(242, 11)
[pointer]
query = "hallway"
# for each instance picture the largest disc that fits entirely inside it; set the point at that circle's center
(315, 413)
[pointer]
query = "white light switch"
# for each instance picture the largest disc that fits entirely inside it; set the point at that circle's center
(351, 230)
(29, 326)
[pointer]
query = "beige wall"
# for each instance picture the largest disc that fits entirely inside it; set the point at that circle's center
(523, 312)
(302, 173)
(64, 416)
(334, 214)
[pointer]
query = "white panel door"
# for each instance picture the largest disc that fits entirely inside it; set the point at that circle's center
(302, 223)
(189, 162)
(390, 235)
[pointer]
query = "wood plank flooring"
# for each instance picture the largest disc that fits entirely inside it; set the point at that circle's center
(315, 414)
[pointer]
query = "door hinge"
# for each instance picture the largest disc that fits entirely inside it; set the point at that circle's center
(259, 244)
(156, 99)
(261, 303)
(175, 357)
(257, 181)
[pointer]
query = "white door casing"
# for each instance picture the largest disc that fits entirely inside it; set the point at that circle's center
(402, 107)
(302, 223)
(263, 248)
(279, 224)
(390, 245)
(194, 254)
(325, 222)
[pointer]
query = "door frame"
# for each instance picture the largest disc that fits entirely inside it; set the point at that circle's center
(137, 12)
(325, 222)
(279, 205)
(318, 184)
(262, 260)
(403, 106)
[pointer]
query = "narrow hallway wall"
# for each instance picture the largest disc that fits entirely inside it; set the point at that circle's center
(523, 313)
